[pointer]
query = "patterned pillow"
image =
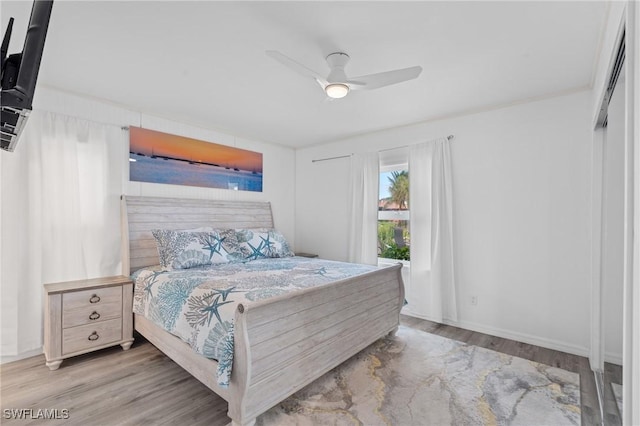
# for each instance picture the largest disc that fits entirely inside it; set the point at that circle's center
(262, 243)
(188, 249)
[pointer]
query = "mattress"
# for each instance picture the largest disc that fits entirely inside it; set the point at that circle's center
(198, 304)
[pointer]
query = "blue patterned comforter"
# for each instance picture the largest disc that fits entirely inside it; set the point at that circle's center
(198, 305)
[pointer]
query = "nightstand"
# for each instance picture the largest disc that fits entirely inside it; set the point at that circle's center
(87, 315)
(306, 255)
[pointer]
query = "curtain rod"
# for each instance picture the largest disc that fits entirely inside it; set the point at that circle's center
(450, 137)
(331, 158)
(76, 117)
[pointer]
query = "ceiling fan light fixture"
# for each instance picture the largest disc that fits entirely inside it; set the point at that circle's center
(336, 90)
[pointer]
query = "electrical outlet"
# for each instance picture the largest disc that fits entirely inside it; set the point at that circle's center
(474, 300)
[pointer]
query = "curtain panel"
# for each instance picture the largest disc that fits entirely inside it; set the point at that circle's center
(363, 223)
(67, 175)
(433, 292)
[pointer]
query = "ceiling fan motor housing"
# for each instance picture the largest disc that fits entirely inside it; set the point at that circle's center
(337, 61)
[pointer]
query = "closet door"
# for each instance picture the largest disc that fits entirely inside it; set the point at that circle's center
(613, 226)
(613, 247)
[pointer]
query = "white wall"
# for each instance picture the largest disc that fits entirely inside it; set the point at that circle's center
(21, 304)
(521, 183)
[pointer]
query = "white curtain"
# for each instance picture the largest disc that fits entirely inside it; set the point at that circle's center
(363, 224)
(433, 293)
(60, 215)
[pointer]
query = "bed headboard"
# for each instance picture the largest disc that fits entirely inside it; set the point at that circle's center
(142, 214)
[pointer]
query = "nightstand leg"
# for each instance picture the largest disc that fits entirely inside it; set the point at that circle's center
(126, 345)
(53, 365)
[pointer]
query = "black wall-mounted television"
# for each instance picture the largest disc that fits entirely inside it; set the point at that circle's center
(19, 73)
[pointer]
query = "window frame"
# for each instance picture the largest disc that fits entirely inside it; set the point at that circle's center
(387, 215)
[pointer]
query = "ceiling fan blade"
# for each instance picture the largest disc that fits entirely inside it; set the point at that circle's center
(381, 79)
(297, 67)
(353, 83)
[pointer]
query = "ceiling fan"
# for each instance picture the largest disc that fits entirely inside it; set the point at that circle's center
(337, 84)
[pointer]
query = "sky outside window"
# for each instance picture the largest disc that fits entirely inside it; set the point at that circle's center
(384, 185)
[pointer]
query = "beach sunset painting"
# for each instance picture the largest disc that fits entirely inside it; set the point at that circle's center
(158, 157)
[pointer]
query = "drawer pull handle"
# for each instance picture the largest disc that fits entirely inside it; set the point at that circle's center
(94, 336)
(94, 299)
(94, 315)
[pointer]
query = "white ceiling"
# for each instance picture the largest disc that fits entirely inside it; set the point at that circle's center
(204, 62)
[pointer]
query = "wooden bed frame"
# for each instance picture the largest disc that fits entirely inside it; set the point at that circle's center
(281, 344)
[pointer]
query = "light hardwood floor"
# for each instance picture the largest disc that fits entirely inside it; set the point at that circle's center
(142, 386)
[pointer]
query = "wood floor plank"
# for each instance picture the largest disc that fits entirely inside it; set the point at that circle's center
(138, 386)
(142, 386)
(612, 374)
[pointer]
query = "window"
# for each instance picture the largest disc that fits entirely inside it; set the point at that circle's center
(394, 239)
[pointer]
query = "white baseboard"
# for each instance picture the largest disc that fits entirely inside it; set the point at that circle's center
(24, 355)
(406, 310)
(512, 335)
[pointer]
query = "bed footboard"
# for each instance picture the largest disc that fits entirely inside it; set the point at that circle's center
(283, 344)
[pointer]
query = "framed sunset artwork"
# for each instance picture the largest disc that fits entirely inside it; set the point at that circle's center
(159, 157)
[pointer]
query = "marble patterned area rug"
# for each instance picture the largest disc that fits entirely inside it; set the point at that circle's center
(416, 378)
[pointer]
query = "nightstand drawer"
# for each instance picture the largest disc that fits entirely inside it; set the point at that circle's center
(96, 297)
(91, 335)
(91, 314)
